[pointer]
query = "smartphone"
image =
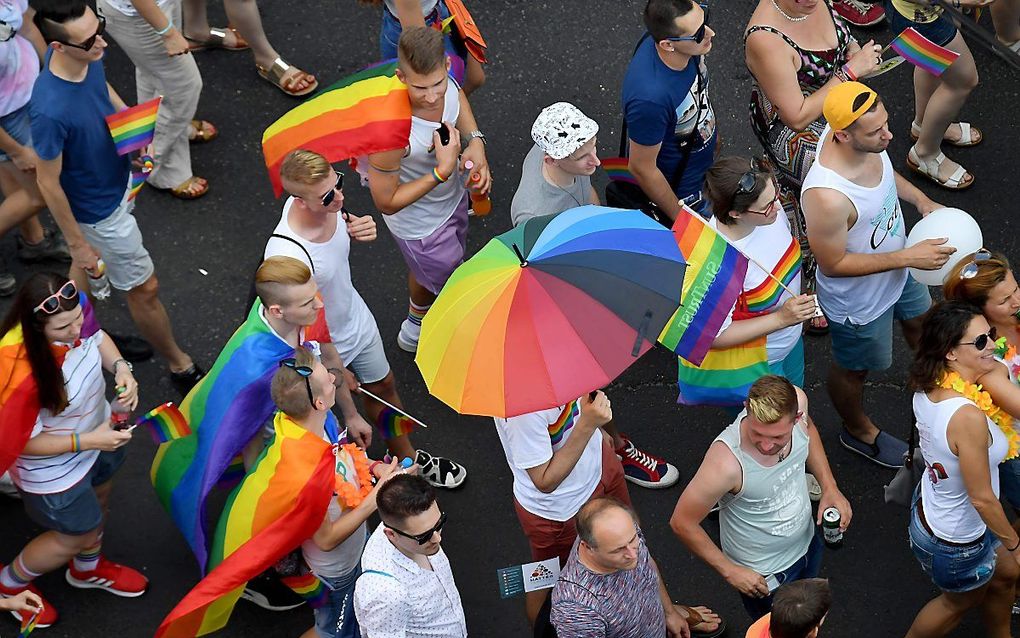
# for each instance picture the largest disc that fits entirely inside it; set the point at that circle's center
(444, 133)
(772, 583)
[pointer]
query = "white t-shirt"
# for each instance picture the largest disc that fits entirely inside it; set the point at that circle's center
(343, 558)
(351, 323)
(426, 6)
(530, 440)
(86, 410)
(775, 248)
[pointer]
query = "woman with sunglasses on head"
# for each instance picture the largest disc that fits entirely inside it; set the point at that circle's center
(57, 437)
(958, 529)
(796, 51)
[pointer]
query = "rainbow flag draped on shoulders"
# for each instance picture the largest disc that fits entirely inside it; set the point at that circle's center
(367, 112)
(714, 278)
(19, 395)
(223, 412)
(279, 504)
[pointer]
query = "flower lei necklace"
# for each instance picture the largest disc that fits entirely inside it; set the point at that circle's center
(348, 495)
(983, 400)
(1007, 353)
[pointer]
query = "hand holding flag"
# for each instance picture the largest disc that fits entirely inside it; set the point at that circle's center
(922, 52)
(133, 128)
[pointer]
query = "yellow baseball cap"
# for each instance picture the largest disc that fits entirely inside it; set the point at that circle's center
(838, 108)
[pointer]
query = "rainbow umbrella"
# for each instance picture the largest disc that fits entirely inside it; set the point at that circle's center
(553, 309)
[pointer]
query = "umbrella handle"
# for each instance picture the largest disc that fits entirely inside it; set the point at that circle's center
(524, 262)
(642, 329)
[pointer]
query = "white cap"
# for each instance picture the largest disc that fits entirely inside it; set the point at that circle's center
(561, 129)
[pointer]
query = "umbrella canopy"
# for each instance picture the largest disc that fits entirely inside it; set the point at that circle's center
(553, 309)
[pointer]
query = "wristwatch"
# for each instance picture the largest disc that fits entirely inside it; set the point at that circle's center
(476, 134)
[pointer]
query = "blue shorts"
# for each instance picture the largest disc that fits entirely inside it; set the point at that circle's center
(390, 32)
(336, 618)
(75, 511)
(792, 365)
(19, 126)
(953, 568)
(1009, 481)
(941, 30)
(869, 346)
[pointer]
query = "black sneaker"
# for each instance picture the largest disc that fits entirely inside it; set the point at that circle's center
(266, 591)
(52, 247)
(440, 471)
(134, 349)
(185, 381)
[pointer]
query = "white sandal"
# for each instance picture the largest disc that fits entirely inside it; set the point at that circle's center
(930, 169)
(969, 135)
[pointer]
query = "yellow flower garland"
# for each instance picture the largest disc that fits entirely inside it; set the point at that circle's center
(983, 400)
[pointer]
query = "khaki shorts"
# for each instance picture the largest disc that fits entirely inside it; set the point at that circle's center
(119, 242)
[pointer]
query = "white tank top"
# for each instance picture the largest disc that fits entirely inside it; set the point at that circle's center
(879, 229)
(423, 217)
(426, 6)
(947, 508)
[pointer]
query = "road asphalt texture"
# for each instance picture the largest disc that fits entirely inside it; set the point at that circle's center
(541, 52)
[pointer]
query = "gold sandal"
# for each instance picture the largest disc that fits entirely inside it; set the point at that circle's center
(216, 39)
(275, 76)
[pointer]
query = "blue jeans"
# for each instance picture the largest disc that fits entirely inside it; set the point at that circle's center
(953, 568)
(389, 36)
(336, 618)
(806, 566)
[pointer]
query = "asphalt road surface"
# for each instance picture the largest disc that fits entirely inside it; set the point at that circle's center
(541, 52)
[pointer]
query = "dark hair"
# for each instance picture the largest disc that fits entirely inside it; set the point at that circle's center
(721, 185)
(49, 379)
(798, 607)
(660, 17)
(50, 16)
(403, 496)
(943, 327)
(420, 50)
(590, 512)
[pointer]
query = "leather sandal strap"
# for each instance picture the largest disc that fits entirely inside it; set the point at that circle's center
(216, 37)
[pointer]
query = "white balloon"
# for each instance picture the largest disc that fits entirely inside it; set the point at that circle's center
(964, 235)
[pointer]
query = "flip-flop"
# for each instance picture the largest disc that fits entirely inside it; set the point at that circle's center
(183, 190)
(217, 40)
(205, 131)
(969, 135)
(694, 618)
(817, 326)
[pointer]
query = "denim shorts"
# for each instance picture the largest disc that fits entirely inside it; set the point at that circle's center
(75, 511)
(807, 566)
(953, 568)
(1009, 481)
(869, 346)
(119, 240)
(19, 126)
(335, 619)
(791, 367)
(941, 30)
(390, 32)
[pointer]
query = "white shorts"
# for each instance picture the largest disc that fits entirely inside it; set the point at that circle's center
(119, 242)
(370, 365)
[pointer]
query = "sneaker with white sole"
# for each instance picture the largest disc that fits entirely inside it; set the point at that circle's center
(440, 471)
(644, 469)
(859, 14)
(814, 488)
(268, 592)
(46, 617)
(119, 580)
(407, 338)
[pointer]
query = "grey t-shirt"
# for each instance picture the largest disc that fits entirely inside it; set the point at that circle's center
(536, 197)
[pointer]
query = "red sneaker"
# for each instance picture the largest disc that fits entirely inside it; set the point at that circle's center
(114, 578)
(859, 14)
(644, 469)
(46, 617)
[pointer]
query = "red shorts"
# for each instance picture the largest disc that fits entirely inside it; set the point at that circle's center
(556, 538)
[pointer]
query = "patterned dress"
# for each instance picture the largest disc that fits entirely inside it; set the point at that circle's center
(790, 152)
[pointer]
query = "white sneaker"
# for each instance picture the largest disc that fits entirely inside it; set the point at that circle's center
(813, 487)
(407, 338)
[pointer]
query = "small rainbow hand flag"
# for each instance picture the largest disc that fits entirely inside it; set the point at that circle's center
(133, 128)
(28, 623)
(922, 52)
(618, 169)
(138, 177)
(166, 423)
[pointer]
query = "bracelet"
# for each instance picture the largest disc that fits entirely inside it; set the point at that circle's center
(849, 72)
(75, 443)
(166, 29)
(371, 468)
(1015, 547)
(841, 75)
(439, 178)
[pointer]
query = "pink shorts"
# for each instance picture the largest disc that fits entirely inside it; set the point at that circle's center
(432, 259)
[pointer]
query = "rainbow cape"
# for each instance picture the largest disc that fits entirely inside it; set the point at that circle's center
(224, 412)
(922, 52)
(725, 375)
(278, 505)
(134, 128)
(19, 398)
(714, 279)
(368, 112)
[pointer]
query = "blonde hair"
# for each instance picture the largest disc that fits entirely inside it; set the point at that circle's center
(288, 387)
(304, 167)
(771, 398)
(276, 273)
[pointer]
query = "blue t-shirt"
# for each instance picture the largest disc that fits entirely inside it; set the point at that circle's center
(68, 119)
(661, 106)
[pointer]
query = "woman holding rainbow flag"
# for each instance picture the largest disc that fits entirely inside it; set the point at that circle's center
(56, 437)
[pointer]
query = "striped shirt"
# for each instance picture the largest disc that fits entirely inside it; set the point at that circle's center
(87, 409)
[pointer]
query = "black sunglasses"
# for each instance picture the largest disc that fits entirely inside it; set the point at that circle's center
(328, 198)
(90, 42)
(698, 35)
(424, 537)
(981, 341)
(971, 270)
(305, 372)
(51, 304)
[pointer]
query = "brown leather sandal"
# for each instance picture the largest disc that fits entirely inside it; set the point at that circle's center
(185, 189)
(217, 39)
(276, 75)
(204, 131)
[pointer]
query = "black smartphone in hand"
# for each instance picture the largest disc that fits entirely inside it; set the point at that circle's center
(444, 133)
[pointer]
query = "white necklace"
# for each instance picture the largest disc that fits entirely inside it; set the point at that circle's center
(787, 15)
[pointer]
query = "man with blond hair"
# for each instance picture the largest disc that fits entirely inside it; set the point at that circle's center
(317, 230)
(755, 470)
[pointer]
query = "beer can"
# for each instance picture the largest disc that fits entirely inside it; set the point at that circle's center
(830, 527)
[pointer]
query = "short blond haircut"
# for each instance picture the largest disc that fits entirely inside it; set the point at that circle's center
(771, 398)
(276, 273)
(288, 388)
(304, 167)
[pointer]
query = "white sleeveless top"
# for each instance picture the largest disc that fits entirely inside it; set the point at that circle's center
(879, 229)
(767, 525)
(947, 506)
(421, 218)
(426, 6)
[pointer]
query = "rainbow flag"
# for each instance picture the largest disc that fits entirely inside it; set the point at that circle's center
(280, 504)
(28, 623)
(725, 375)
(392, 424)
(165, 422)
(134, 128)
(309, 587)
(564, 422)
(618, 169)
(19, 398)
(138, 177)
(714, 279)
(368, 112)
(922, 52)
(224, 411)
(766, 296)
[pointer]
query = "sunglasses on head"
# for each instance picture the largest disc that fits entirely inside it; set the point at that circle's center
(328, 198)
(305, 372)
(90, 42)
(424, 537)
(50, 305)
(698, 36)
(971, 270)
(981, 341)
